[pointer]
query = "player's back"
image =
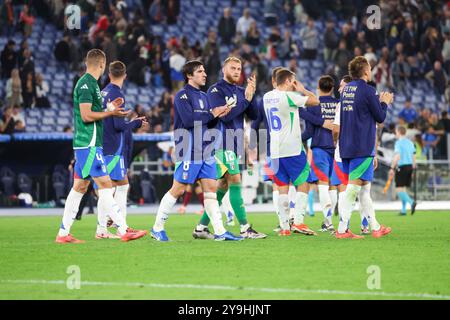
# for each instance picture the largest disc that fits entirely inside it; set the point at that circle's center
(359, 113)
(284, 123)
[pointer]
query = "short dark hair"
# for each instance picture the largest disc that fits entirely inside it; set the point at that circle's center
(282, 75)
(190, 67)
(326, 83)
(357, 66)
(347, 78)
(274, 72)
(117, 69)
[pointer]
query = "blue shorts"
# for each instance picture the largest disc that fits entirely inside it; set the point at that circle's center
(321, 165)
(89, 162)
(291, 169)
(188, 172)
(311, 178)
(267, 171)
(359, 168)
(338, 175)
(116, 168)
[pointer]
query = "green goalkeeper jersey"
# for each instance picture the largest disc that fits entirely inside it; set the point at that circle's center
(87, 134)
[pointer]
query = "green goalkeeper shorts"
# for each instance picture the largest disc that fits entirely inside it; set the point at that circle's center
(227, 161)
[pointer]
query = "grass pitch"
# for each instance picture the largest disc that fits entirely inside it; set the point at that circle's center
(413, 262)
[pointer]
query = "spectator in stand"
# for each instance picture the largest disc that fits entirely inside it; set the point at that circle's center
(444, 124)
(299, 12)
(424, 118)
(438, 78)
(409, 38)
(211, 43)
(213, 65)
(271, 10)
(42, 90)
(7, 123)
(431, 44)
(166, 105)
(177, 62)
(408, 113)
(26, 19)
(19, 119)
(244, 22)
(432, 136)
(446, 51)
(29, 91)
(419, 144)
(155, 12)
(331, 41)
(227, 27)
(342, 58)
(381, 74)
(287, 49)
(14, 89)
(8, 59)
(27, 65)
(172, 11)
(411, 132)
(7, 19)
(348, 35)
(309, 38)
(253, 35)
(12, 121)
(401, 72)
(63, 49)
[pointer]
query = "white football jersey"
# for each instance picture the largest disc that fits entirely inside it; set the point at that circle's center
(281, 108)
(337, 121)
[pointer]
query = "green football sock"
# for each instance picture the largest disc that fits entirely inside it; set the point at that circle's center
(238, 203)
(204, 220)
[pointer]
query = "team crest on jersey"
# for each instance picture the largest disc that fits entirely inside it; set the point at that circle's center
(202, 105)
(84, 86)
(185, 175)
(214, 90)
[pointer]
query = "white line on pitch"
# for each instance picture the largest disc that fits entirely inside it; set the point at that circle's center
(230, 288)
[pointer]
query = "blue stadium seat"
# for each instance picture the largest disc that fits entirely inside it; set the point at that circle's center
(48, 121)
(32, 121)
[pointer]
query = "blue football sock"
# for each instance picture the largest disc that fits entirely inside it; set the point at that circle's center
(404, 197)
(311, 202)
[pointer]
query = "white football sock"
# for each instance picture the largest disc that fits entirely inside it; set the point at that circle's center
(213, 212)
(283, 211)
(121, 197)
(325, 203)
(226, 204)
(347, 200)
(334, 199)
(107, 205)
(275, 195)
(367, 209)
(292, 199)
(165, 207)
(70, 212)
(301, 201)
